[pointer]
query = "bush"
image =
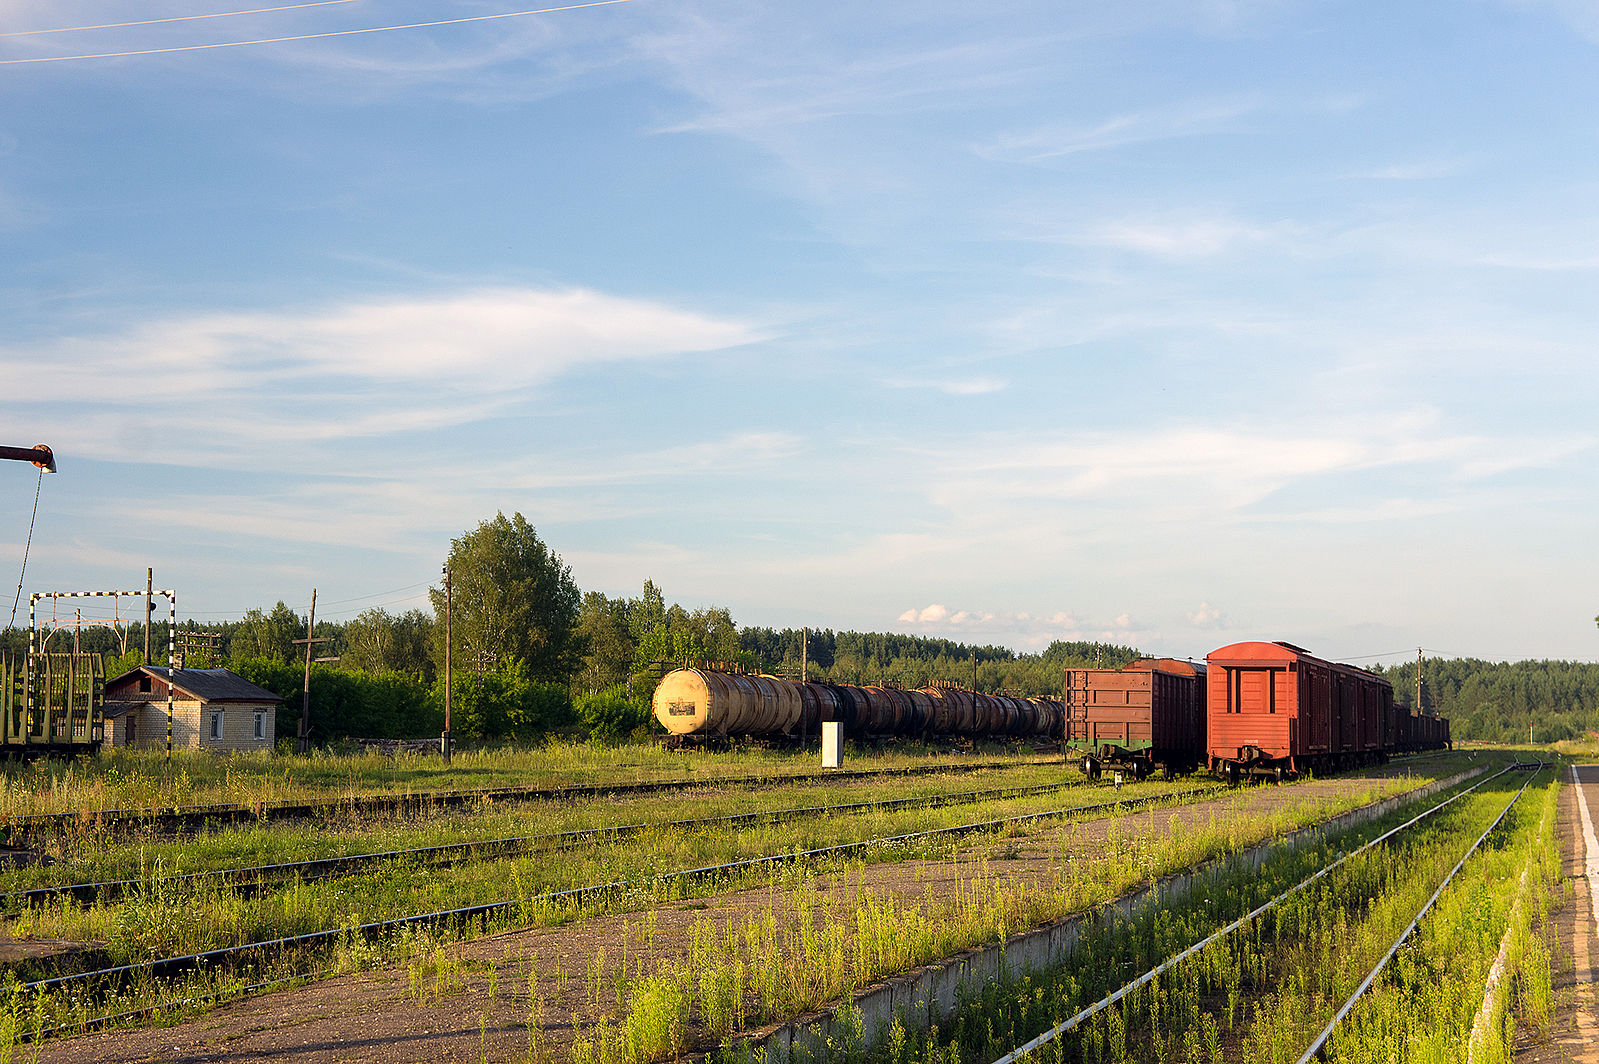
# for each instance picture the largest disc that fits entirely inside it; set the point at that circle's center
(611, 715)
(346, 703)
(505, 703)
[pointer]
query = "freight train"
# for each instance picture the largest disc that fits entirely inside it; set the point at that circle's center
(1148, 713)
(711, 703)
(1250, 709)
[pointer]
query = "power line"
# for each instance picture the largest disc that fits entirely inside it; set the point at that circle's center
(310, 36)
(177, 18)
(29, 547)
(377, 594)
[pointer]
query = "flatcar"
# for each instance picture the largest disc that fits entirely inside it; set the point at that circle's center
(716, 703)
(1274, 709)
(1149, 713)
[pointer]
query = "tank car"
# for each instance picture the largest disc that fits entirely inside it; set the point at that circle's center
(705, 702)
(1149, 713)
(1274, 709)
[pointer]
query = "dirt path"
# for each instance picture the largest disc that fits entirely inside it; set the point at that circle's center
(483, 1009)
(1574, 1033)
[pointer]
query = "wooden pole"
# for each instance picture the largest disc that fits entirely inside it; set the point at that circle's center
(305, 696)
(444, 740)
(1418, 681)
(149, 609)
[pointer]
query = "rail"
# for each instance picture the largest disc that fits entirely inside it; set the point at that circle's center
(1020, 1052)
(234, 812)
(1320, 1042)
(108, 979)
(257, 877)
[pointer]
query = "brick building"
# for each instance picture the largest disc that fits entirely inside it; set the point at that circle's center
(212, 709)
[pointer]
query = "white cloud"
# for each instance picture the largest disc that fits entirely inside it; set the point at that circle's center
(928, 615)
(1206, 616)
(1190, 239)
(373, 369)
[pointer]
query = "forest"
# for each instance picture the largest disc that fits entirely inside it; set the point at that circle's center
(1500, 701)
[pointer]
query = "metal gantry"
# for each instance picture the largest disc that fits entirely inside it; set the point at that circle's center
(35, 648)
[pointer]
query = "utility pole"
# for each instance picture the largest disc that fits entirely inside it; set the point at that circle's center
(805, 651)
(310, 641)
(1418, 680)
(974, 670)
(149, 609)
(444, 740)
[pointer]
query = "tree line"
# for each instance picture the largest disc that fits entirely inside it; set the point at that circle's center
(1500, 701)
(531, 654)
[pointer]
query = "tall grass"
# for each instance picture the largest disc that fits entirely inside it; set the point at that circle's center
(147, 778)
(1262, 993)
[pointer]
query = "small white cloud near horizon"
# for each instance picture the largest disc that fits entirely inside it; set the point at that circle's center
(1206, 616)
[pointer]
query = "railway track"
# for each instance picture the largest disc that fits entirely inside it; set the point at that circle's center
(1026, 1050)
(97, 984)
(260, 877)
(178, 817)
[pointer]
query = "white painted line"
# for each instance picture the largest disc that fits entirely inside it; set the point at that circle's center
(1590, 846)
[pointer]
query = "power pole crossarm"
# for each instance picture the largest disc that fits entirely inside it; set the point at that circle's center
(310, 641)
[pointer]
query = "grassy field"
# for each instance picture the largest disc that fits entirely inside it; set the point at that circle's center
(119, 779)
(1260, 995)
(733, 975)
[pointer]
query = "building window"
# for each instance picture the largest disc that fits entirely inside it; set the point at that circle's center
(260, 725)
(144, 683)
(216, 725)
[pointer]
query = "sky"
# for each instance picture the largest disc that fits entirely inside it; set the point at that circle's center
(1169, 324)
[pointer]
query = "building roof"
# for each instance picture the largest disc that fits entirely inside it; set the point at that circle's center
(205, 685)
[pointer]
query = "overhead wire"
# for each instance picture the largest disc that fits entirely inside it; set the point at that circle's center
(310, 36)
(20, 576)
(177, 18)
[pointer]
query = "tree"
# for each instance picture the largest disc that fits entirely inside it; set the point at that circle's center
(378, 641)
(608, 643)
(513, 600)
(266, 635)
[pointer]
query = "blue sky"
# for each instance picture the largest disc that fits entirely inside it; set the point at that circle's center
(1168, 323)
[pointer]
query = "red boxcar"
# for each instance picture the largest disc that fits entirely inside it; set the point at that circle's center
(1274, 709)
(1152, 712)
(1418, 731)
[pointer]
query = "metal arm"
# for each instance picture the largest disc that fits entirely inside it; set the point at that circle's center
(38, 454)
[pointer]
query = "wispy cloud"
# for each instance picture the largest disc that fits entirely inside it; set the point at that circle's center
(1187, 119)
(1419, 170)
(960, 386)
(1177, 239)
(1178, 471)
(360, 369)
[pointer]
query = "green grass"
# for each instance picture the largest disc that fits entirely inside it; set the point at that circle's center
(141, 778)
(1261, 994)
(165, 921)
